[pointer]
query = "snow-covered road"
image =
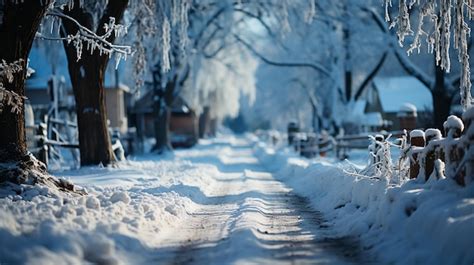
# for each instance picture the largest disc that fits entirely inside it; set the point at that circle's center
(212, 204)
(248, 217)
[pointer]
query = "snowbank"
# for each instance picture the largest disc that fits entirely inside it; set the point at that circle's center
(430, 223)
(121, 221)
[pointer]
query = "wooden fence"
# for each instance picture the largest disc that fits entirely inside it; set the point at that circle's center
(433, 155)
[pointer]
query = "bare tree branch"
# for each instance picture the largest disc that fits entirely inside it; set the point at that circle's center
(369, 77)
(412, 69)
(317, 67)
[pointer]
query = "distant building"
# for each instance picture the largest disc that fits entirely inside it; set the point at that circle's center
(184, 123)
(359, 120)
(116, 106)
(398, 99)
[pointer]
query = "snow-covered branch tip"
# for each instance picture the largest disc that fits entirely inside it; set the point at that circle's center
(7, 97)
(448, 19)
(94, 41)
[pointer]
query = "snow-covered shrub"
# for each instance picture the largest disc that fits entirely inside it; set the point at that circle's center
(380, 162)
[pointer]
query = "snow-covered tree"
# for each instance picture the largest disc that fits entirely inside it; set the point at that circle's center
(87, 62)
(211, 31)
(316, 61)
(443, 24)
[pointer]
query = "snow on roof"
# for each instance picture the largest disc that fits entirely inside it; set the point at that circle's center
(359, 107)
(408, 107)
(394, 92)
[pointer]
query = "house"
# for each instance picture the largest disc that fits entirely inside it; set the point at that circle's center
(184, 122)
(358, 120)
(398, 100)
(115, 103)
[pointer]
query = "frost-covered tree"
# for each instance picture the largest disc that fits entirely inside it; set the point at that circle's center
(20, 22)
(316, 61)
(150, 24)
(442, 24)
(443, 79)
(17, 33)
(233, 75)
(209, 34)
(87, 62)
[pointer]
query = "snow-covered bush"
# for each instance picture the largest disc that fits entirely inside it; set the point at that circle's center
(380, 162)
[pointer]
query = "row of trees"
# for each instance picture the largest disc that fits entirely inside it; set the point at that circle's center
(180, 44)
(176, 36)
(352, 42)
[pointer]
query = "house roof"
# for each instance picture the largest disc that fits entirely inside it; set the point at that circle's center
(43, 67)
(359, 107)
(395, 92)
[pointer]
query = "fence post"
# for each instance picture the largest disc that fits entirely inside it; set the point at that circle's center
(453, 154)
(43, 147)
(417, 139)
(430, 155)
(468, 117)
(292, 130)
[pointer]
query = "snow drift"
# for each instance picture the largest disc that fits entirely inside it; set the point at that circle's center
(430, 223)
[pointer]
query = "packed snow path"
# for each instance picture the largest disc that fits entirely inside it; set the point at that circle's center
(246, 216)
(212, 204)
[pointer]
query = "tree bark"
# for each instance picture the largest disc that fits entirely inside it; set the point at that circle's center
(18, 27)
(162, 115)
(87, 78)
(441, 99)
(163, 98)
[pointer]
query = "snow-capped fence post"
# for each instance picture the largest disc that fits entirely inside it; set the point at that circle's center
(468, 118)
(417, 142)
(429, 155)
(452, 149)
(309, 147)
(43, 147)
(293, 129)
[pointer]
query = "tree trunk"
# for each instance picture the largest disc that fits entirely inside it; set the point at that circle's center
(87, 78)
(204, 122)
(162, 133)
(442, 107)
(441, 99)
(162, 101)
(18, 26)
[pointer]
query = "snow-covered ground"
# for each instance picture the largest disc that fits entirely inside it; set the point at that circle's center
(213, 204)
(235, 200)
(430, 223)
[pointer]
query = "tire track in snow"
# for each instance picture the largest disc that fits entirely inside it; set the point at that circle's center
(251, 218)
